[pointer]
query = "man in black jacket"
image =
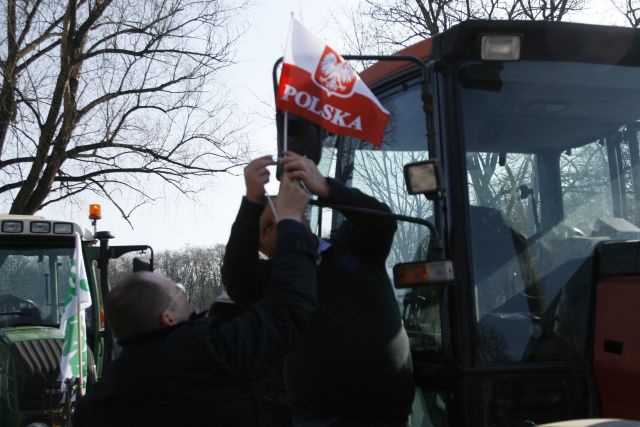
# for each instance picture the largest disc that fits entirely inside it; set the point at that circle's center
(352, 365)
(179, 372)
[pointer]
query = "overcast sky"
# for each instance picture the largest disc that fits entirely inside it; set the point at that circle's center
(175, 221)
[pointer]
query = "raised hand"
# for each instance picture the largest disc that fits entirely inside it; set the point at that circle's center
(292, 200)
(305, 170)
(256, 175)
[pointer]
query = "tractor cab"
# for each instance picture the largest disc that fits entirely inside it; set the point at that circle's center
(532, 132)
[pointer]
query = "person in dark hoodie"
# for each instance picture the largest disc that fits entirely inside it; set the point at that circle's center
(352, 365)
(177, 371)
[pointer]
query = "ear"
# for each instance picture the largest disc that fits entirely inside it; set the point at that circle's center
(166, 319)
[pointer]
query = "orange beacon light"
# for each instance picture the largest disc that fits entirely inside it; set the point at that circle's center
(95, 212)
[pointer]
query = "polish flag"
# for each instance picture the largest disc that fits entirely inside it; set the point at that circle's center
(319, 85)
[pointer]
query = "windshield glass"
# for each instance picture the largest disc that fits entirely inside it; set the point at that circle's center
(552, 170)
(33, 284)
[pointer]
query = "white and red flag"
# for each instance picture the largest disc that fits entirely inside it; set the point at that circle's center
(318, 84)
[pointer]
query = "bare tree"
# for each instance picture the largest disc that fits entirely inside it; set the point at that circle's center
(630, 9)
(197, 269)
(98, 94)
(403, 22)
(548, 10)
(358, 37)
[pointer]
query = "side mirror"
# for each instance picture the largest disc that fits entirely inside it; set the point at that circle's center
(303, 137)
(423, 178)
(414, 274)
(141, 264)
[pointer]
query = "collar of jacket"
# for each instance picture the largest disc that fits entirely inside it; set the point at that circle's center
(157, 333)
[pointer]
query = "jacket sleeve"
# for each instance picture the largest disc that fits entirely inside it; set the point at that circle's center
(260, 338)
(244, 275)
(370, 235)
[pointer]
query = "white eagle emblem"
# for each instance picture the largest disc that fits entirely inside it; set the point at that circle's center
(334, 74)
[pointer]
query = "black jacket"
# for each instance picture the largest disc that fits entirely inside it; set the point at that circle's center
(353, 359)
(201, 372)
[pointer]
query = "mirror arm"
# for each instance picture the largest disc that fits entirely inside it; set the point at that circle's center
(118, 251)
(435, 236)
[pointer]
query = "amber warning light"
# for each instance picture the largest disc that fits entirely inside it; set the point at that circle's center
(414, 274)
(95, 212)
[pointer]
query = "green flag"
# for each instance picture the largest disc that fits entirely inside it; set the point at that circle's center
(73, 363)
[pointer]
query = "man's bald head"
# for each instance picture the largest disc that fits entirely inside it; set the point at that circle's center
(144, 301)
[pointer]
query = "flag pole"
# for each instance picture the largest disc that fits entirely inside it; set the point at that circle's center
(272, 206)
(286, 131)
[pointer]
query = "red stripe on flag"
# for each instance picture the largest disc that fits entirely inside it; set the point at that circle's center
(358, 116)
